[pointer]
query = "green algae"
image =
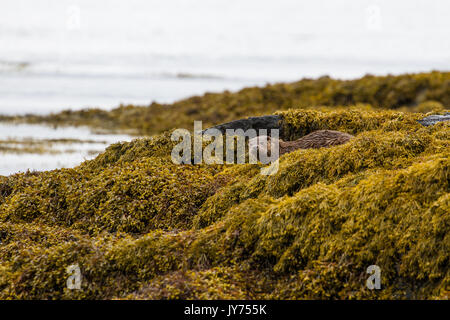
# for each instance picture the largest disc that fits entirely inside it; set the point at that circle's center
(135, 198)
(422, 92)
(141, 227)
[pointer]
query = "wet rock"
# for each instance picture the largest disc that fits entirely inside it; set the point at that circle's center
(257, 123)
(433, 119)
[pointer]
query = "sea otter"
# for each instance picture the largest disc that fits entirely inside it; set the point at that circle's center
(314, 140)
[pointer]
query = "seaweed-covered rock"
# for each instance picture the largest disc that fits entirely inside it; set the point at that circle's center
(140, 226)
(421, 92)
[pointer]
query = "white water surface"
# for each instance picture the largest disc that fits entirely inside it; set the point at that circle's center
(85, 145)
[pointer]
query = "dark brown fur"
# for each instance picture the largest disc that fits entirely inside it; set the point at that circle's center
(315, 140)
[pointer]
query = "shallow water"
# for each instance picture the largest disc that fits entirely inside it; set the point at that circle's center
(39, 147)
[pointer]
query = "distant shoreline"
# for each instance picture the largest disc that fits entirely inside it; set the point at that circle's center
(417, 92)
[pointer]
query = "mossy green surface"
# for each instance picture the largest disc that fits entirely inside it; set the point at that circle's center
(422, 92)
(141, 227)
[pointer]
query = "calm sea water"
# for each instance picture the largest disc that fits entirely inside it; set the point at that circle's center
(61, 147)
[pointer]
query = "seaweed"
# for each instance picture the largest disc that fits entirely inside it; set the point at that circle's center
(142, 227)
(421, 92)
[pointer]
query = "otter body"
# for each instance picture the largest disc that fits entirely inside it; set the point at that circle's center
(314, 140)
